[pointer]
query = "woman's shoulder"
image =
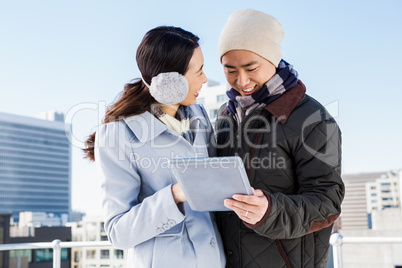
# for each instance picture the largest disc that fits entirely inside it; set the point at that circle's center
(198, 112)
(198, 109)
(124, 126)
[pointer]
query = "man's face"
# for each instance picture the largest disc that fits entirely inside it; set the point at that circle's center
(246, 72)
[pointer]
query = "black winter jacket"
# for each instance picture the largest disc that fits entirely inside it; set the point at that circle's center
(291, 151)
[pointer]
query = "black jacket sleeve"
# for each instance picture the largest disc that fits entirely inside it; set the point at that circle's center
(317, 204)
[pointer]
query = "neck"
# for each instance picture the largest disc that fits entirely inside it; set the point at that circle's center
(171, 109)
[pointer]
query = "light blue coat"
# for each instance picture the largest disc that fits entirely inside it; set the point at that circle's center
(140, 213)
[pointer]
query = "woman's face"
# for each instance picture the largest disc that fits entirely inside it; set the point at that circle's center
(195, 77)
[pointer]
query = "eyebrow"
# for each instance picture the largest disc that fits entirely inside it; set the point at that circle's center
(242, 66)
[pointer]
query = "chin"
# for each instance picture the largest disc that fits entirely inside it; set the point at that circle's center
(188, 103)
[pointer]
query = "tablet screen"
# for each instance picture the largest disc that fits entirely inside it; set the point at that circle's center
(208, 181)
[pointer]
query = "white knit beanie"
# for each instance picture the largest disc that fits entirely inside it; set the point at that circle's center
(252, 30)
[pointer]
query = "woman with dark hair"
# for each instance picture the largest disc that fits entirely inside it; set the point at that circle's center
(156, 119)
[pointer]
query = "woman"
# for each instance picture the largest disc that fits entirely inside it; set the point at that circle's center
(156, 119)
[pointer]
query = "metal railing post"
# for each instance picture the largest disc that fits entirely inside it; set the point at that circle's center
(336, 242)
(56, 253)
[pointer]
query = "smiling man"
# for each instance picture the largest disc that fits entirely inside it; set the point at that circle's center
(290, 146)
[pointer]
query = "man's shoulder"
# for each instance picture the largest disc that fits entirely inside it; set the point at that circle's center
(308, 104)
(309, 111)
(223, 109)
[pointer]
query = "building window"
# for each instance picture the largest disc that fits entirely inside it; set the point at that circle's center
(91, 231)
(91, 254)
(104, 254)
(21, 254)
(118, 254)
(105, 266)
(46, 255)
(221, 98)
(212, 113)
(77, 256)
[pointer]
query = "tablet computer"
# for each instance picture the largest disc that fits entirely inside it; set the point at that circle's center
(207, 182)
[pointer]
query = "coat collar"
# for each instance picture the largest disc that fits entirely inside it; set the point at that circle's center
(285, 104)
(146, 127)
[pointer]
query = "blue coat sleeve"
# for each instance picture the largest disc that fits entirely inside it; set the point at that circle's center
(129, 222)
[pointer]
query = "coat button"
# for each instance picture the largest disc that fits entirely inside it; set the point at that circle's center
(171, 223)
(160, 230)
(230, 252)
(166, 226)
(213, 242)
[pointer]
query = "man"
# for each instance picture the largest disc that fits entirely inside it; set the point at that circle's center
(291, 148)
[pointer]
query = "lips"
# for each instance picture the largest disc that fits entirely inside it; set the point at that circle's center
(249, 91)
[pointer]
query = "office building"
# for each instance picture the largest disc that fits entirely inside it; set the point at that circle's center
(383, 193)
(354, 207)
(32, 258)
(35, 165)
(92, 229)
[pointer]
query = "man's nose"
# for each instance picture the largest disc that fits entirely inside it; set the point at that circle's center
(243, 79)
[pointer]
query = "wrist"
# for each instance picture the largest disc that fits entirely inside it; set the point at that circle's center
(178, 194)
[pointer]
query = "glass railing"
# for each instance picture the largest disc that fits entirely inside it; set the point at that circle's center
(56, 245)
(336, 240)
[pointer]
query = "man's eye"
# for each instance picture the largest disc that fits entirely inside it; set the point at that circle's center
(251, 70)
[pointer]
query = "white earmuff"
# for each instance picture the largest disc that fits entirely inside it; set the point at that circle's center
(168, 88)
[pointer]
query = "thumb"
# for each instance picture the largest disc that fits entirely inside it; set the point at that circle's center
(257, 192)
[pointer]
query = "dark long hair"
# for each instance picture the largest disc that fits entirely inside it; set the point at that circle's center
(163, 49)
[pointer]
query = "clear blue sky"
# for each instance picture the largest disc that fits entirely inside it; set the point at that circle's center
(70, 55)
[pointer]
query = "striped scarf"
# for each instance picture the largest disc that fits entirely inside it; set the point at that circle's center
(241, 106)
(180, 123)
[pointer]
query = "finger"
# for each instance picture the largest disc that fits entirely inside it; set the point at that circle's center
(236, 205)
(252, 189)
(258, 193)
(246, 216)
(243, 214)
(249, 199)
